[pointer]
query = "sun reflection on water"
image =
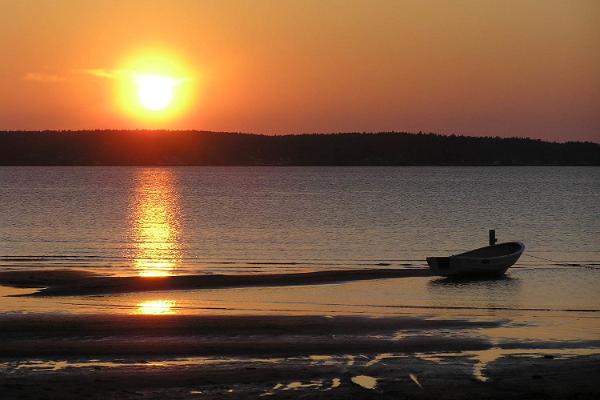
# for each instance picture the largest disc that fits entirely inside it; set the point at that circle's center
(156, 226)
(156, 307)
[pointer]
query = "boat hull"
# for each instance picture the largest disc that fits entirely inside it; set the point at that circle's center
(490, 261)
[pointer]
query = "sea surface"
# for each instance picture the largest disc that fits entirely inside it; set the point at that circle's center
(135, 221)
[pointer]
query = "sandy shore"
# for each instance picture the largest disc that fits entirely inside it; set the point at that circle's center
(242, 357)
(483, 353)
(404, 377)
(147, 335)
(76, 283)
(396, 378)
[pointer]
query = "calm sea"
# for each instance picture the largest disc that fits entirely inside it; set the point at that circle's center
(157, 221)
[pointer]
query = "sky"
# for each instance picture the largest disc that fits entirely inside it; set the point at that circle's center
(471, 67)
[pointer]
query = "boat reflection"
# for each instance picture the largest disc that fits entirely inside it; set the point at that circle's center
(156, 307)
(503, 281)
(156, 226)
(503, 292)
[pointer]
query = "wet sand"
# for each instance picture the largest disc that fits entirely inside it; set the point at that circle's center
(76, 283)
(513, 378)
(158, 357)
(488, 352)
(146, 335)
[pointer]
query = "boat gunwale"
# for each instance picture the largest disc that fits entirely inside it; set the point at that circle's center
(467, 256)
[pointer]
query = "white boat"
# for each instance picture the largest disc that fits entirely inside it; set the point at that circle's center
(486, 261)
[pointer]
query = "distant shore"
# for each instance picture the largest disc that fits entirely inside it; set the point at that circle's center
(182, 148)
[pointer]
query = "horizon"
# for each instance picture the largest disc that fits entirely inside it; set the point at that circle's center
(162, 147)
(482, 69)
(445, 135)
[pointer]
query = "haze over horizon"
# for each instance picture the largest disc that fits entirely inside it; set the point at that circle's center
(477, 68)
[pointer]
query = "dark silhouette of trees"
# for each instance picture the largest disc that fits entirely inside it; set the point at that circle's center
(217, 148)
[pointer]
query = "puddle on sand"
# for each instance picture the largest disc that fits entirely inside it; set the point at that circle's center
(485, 357)
(383, 356)
(414, 378)
(323, 360)
(55, 365)
(300, 385)
(365, 381)
(12, 291)
(320, 358)
(314, 384)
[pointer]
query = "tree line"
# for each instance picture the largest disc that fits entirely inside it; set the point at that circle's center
(158, 147)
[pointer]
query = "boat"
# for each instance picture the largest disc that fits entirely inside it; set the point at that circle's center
(489, 261)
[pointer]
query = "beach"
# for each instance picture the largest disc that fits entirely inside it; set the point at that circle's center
(284, 357)
(164, 349)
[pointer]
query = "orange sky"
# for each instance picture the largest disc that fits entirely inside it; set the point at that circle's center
(480, 67)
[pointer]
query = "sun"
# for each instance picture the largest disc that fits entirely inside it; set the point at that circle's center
(155, 88)
(155, 92)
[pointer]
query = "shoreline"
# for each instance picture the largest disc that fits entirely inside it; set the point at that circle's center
(74, 283)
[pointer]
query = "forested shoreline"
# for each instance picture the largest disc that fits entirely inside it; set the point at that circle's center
(158, 147)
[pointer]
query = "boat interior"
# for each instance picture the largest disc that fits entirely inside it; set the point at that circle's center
(498, 250)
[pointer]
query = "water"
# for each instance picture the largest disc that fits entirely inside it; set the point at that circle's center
(159, 221)
(164, 221)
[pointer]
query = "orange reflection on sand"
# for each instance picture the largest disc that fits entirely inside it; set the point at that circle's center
(155, 223)
(156, 307)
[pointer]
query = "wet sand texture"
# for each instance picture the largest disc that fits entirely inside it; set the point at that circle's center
(521, 378)
(139, 335)
(274, 356)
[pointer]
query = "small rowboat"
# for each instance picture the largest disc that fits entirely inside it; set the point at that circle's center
(486, 261)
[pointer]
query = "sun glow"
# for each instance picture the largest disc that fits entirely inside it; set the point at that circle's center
(154, 87)
(155, 92)
(156, 307)
(155, 223)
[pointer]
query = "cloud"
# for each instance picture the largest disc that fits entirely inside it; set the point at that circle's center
(103, 73)
(43, 77)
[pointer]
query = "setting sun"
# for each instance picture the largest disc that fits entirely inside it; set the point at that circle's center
(154, 87)
(155, 92)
